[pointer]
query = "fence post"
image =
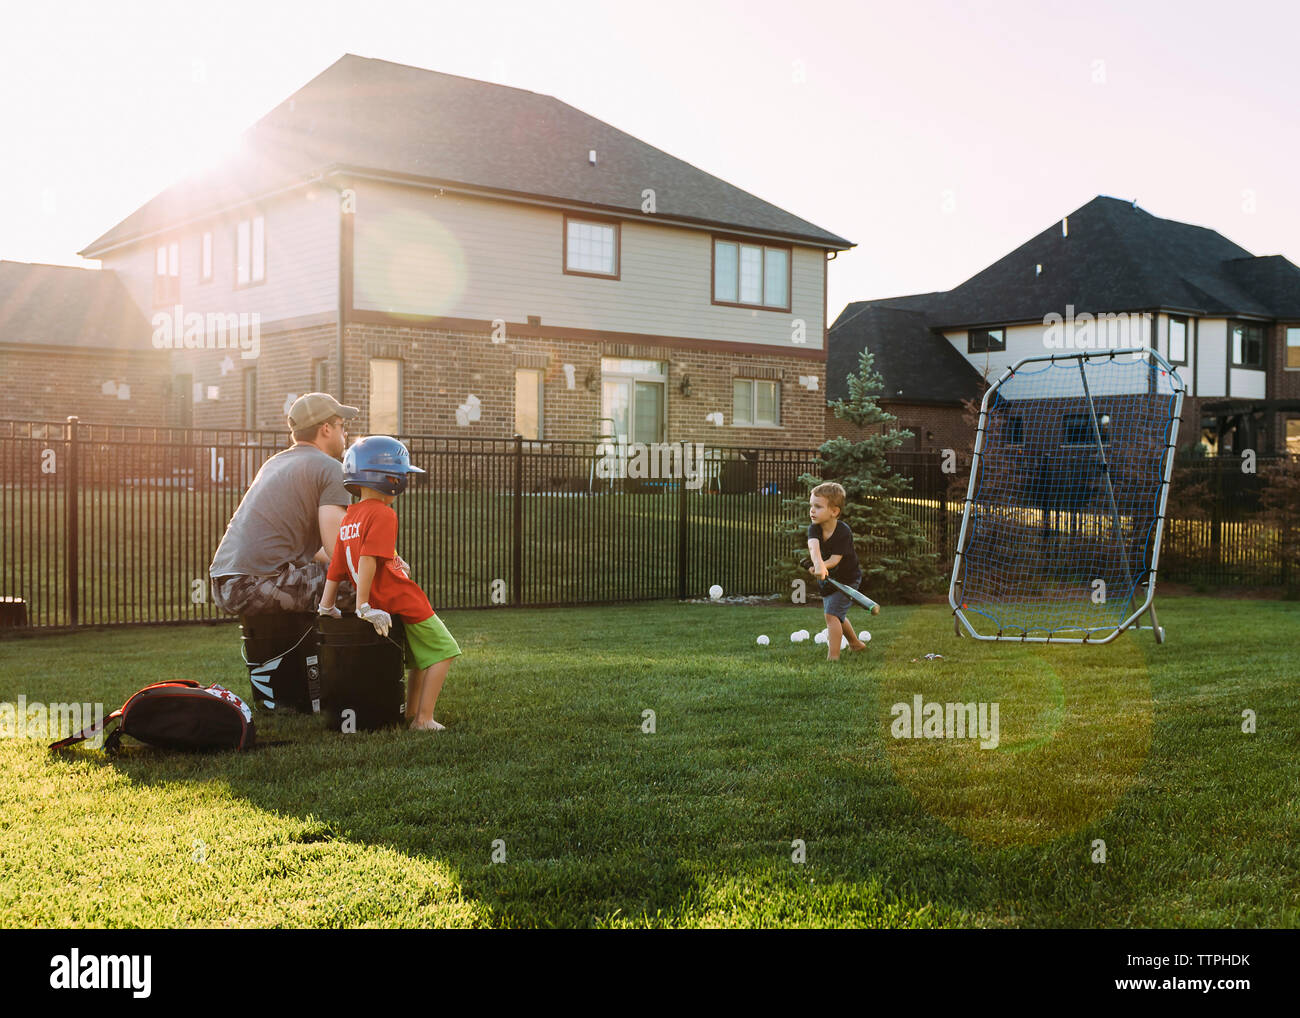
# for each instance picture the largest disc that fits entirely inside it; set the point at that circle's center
(681, 532)
(517, 525)
(70, 522)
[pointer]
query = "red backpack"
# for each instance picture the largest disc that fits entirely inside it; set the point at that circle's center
(180, 714)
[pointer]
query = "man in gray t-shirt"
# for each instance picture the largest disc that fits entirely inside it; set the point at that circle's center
(278, 544)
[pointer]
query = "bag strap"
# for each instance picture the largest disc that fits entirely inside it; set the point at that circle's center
(87, 733)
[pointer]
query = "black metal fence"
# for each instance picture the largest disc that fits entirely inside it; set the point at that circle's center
(104, 524)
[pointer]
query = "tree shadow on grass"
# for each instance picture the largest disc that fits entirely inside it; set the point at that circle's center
(602, 824)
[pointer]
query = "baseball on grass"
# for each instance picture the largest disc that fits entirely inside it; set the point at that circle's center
(763, 641)
(715, 592)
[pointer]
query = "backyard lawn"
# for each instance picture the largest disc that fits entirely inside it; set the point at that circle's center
(771, 791)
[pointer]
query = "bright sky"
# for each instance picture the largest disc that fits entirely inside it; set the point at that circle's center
(936, 134)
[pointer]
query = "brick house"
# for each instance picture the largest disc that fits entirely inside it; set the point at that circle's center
(70, 344)
(455, 256)
(1109, 274)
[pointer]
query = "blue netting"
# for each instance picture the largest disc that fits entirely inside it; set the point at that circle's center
(1052, 513)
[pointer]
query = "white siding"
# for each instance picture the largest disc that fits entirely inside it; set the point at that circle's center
(1035, 341)
(1248, 383)
(1212, 354)
(466, 257)
(301, 263)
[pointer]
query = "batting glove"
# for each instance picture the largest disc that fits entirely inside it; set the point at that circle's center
(381, 620)
(332, 611)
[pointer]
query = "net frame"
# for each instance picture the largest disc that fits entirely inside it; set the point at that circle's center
(1146, 576)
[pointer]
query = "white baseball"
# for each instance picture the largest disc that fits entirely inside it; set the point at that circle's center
(763, 641)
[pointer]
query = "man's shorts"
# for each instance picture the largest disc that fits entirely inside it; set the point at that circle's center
(428, 642)
(294, 588)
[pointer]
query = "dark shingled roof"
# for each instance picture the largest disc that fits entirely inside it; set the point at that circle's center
(918, 365)
(1118, 257)
(61, 305)
(364, 114)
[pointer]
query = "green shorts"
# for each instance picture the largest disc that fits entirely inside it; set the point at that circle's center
(428, 642)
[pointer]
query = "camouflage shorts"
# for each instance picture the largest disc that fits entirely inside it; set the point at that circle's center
(295, 588)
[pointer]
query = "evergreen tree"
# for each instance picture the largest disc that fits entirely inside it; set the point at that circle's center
(897, 561)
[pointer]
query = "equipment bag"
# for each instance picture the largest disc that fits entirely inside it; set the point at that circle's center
(180, 714)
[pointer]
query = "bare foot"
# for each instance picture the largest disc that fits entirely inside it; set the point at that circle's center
(860, 645)
(427, 726)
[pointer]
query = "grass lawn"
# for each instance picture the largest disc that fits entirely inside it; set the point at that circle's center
(755, 749)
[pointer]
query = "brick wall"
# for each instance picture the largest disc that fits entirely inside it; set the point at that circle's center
(1282, 384)
(441, 369)
(934, 427)
(44, 383)
(283, 367)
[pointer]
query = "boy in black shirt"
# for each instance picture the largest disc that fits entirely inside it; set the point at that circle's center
(830, 543)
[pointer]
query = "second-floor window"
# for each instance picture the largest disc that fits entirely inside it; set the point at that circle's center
(250, 251)
(751, 275)
(1247, 345)
(591, 247)
(167, 272)
(205, 256)
(986, 340)
(1293, 346)
(755, 403)
(1177, 340)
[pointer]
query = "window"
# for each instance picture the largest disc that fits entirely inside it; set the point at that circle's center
(320, 375)
(250, 398)
(1293, 346)
(205, 256)
(985, 340)
(167, 272)
(591, 248)
(751, 275)
(1177, 340)
(1247, 345)
(250, 251)
(755, 403)
(385, 397)
(1078, 429)
(528, 403)
(1293, 436)
(632, 399)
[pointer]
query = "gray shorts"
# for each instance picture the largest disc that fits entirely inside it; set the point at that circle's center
(295, 588)
(836, 603)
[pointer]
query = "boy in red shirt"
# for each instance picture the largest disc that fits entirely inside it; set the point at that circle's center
(376, 468)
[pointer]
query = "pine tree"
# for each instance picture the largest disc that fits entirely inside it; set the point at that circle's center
(897, 561)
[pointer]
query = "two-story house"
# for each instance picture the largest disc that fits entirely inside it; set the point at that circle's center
(455, 256)
(1108, 275)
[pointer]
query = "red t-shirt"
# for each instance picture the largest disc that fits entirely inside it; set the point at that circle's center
(370, 528)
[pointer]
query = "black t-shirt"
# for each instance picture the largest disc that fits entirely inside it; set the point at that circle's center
(848, 572)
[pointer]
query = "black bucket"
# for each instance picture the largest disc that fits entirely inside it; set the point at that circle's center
(362, 674)
(283, 665)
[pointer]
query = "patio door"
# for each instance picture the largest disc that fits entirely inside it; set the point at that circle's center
(633, 399)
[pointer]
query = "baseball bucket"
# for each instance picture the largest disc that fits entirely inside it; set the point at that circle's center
(362, 674)
(280, 651)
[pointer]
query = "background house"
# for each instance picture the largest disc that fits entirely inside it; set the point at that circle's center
(1228, 320)
(457, 256)
(71, 343)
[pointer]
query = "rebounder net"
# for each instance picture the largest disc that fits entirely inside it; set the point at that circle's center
(1060, 536)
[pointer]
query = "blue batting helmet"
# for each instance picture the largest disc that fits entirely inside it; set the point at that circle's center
(377, 462)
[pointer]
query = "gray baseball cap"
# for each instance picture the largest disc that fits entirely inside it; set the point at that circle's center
(316, 408)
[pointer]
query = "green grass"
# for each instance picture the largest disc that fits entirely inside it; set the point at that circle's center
(604, 825)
